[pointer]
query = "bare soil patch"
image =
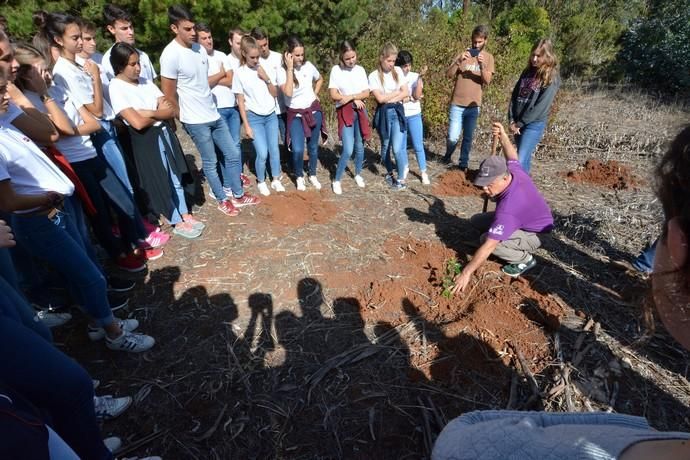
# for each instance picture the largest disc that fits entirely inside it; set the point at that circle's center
(294, 209)
(611, 174)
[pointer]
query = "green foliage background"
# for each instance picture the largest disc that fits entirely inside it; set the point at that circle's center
(644, 42)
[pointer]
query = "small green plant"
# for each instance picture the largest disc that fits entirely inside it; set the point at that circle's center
(452, 268)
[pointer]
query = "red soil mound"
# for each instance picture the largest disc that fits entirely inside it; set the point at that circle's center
(475, 326)
(456, 183)
(610, 174)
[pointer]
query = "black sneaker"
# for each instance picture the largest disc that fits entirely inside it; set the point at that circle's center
(445, 160)
(120, 284)
(117, 301)
(515, 270)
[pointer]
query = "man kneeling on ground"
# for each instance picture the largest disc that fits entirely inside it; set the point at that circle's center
(511, 232)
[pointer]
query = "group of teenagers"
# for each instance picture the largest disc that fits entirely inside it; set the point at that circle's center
(88, 147)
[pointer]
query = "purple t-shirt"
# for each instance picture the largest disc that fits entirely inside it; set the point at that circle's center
(520, 207)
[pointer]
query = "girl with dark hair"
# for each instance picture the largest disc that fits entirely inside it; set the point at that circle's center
(413, 112)
(83, 83)
(532, 98)
(349, 88)
(300, 83)
(256, 91)
(390, 90)
(146, 112)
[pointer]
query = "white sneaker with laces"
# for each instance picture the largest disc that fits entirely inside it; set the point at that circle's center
(131, 342)
(315, 182)
(359, 180)
(263, 189)
(107, 407)
(53, 319)
(97, 333)
(300, 184)
(277, 186)
(113, 443)
(425, 179)
(337, 189)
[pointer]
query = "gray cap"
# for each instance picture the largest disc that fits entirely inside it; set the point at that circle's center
(489, 169)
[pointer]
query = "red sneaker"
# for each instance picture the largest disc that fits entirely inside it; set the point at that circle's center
(246, 200)
(245, 180)
(149, 253)
(227, 208)
(130, 263)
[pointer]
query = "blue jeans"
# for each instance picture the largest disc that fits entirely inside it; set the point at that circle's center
(645, 261)
(178, 199)
(59, 242)
(282, 119)
(352, 142)
(231, 116)
(395, 141)
(265, 128)
(415, 130)
(55, 384)
(461, 119)
(108, 147)
(14, 306)
(297, 140)
(527, 141)
(207, 137)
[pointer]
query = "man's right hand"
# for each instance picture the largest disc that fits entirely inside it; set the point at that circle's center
(6, 236)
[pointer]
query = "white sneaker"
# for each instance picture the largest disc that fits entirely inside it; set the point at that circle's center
(300, 184)
(337, 189)
(130, 341)
(315, 182)
(53, 319)
(425, 179)
(277, 186)
(107, 407)
(113, 443)
(263, 189)
(359, 180)
(97, 333)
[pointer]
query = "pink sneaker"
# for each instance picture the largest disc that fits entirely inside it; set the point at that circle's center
(157, 239)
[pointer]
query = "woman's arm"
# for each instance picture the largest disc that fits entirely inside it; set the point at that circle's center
(11, 201)
(289, 85)
(243, 115)
(318, 85)
(417, 93)
(272, 89)
(96, 107)
(36, 125)
(89, 123)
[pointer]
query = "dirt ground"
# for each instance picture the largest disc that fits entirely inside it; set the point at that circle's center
(316, 325)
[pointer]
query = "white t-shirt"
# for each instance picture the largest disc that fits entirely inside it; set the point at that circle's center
(74, 148)
(303, 95)
(30, 171)
(189, 66)
(257, 98)
(147, 70)
(223, 95)
(78, 84)
(413, 107)
(271, 65)
(143, 96)
(13, 111)
(389, 83)
(348, 81)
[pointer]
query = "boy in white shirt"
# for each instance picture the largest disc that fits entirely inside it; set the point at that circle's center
(119, 24)
(220, 73)
(184, 81)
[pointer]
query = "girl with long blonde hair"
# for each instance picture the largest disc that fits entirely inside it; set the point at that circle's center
(532, 98)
